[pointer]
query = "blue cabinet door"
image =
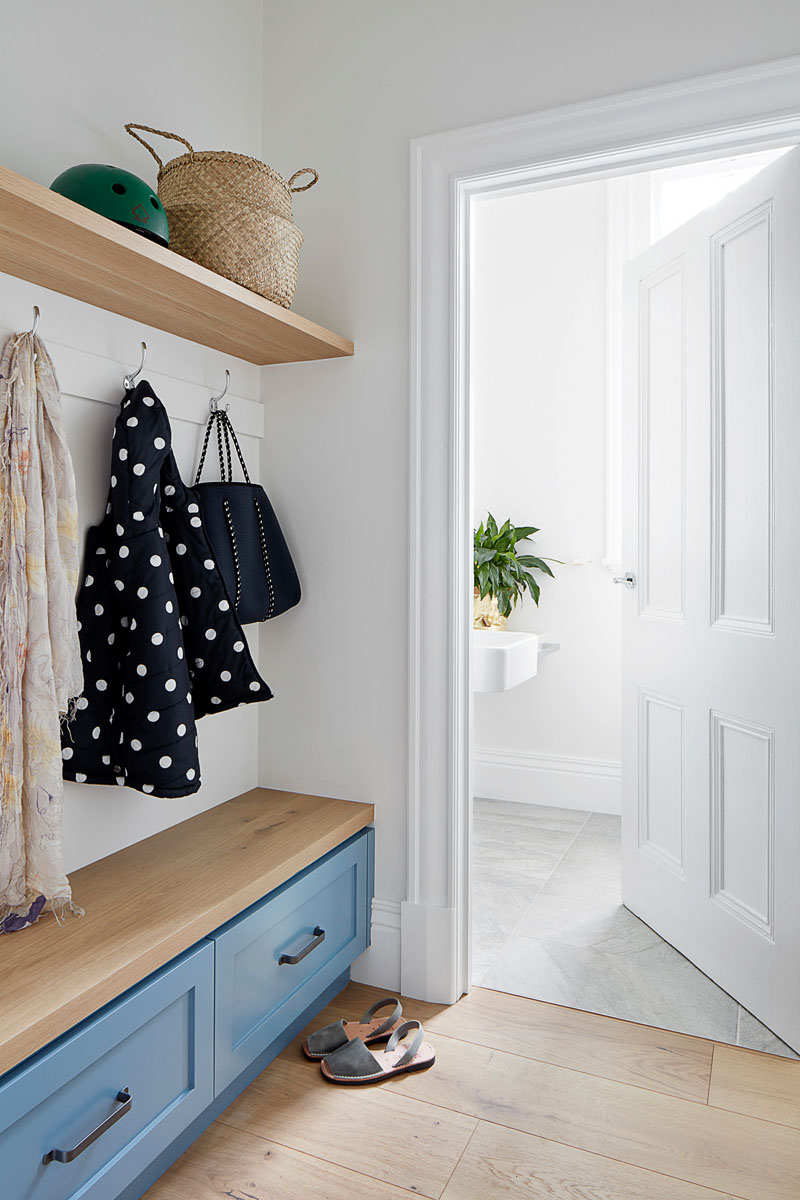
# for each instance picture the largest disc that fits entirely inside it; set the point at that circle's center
(273, 960)
(146, 1060)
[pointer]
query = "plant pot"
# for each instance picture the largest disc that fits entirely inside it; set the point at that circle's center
(486, 613)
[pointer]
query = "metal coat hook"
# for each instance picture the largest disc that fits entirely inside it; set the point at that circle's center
(36, 315)
(213, 404)
(129, 380)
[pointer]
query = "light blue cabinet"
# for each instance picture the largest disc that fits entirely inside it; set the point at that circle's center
(273, 959)
(152, 1069)
(156, 1042)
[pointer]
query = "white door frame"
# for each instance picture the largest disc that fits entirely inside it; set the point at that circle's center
(730, 112)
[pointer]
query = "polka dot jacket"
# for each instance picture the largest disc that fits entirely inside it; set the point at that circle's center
(160, 641)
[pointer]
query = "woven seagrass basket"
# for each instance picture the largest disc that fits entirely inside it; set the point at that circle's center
(232, 214)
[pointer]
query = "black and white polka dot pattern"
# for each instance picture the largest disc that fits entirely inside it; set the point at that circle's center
(160, 641)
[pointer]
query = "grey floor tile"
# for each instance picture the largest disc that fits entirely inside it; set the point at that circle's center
(591, 869)
(548, 922)
(656, 986)
(606, 823)
(496, 912)
(540, 816)
(517, 855)
(589, 920)
(480, 967)
(598, 851)
(755, 1036)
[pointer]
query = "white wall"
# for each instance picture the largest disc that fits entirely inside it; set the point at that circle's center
(346, 86)
(72, 75)
(538, 368)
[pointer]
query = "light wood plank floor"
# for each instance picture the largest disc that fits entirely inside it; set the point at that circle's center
(525, 1100)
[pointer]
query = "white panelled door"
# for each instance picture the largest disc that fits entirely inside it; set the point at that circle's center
(711, 631)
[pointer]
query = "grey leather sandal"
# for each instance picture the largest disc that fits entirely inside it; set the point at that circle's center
(354, 1063)
(369, 1029)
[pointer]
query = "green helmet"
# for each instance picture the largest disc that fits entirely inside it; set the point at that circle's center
(118, 195)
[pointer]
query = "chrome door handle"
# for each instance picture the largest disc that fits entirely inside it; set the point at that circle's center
(294, 959)
(125, 1100)
(628, 580)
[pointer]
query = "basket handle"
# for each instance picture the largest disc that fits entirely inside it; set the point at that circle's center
(297, 174)
(176, 137)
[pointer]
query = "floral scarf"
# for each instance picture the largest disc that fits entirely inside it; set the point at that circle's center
(40, 664)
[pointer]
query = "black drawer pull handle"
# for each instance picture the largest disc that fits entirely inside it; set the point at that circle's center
(124, 1099)
(293, 959)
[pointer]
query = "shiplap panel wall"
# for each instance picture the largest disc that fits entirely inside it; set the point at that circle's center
(92, 351)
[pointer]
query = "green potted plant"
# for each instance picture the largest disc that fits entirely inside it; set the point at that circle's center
(502, 576)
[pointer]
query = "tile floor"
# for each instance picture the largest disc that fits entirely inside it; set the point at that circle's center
(548, 923)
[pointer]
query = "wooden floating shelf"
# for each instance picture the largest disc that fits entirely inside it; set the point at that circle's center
(58, 244)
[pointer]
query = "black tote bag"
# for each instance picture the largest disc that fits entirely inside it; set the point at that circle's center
(247, 540)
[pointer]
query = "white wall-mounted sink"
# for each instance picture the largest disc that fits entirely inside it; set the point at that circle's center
(502, 659)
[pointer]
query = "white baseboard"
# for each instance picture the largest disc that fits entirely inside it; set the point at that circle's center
(429, 952)
(424, 973)
(581, 783)
(380, 964)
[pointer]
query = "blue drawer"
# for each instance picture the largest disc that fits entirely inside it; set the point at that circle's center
(156, 1042)
(257, 994)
